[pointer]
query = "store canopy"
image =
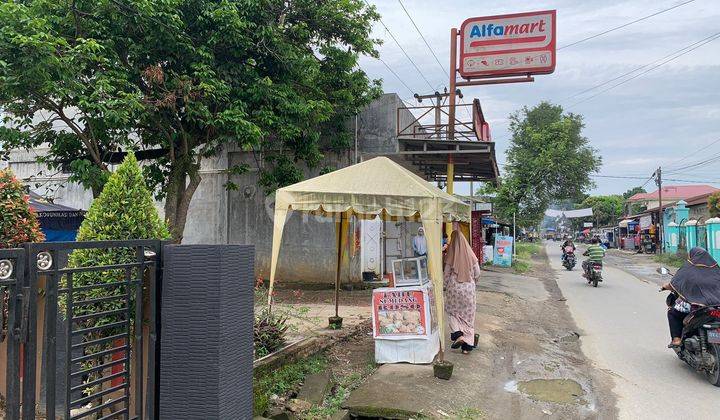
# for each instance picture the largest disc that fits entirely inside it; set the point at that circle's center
(58, 222)
(376, 187)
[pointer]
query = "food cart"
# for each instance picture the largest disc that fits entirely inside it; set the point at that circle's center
(404, 319)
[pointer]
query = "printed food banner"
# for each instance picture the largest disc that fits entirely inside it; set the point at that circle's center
(503, 251)
(401, 312)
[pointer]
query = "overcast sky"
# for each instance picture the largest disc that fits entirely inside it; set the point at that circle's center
(656, 119)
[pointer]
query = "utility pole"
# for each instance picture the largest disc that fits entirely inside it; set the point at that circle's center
(661, 232)
(451, 117)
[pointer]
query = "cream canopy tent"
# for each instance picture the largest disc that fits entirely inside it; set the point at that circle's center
(375, 187)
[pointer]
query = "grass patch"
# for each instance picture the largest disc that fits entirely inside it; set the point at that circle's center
(520, 267)
(672, 260)
(284, 380)
(340, 392)
(524, 252)
(469, 413)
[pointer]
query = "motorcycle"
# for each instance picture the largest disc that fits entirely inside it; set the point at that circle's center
(700, 341)
(569, 260)
(593, 272)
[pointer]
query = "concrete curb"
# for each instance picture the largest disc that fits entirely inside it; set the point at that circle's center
(304, 348)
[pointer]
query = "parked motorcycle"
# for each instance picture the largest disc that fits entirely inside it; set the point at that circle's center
(569, 260)
(593, 272)
(700, 341)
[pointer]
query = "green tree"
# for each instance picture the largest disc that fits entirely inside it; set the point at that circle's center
(634, 208)
(636, 190)
(548, 160)
(18, 222)
(606, 209)
(714, 204)
(177, 81)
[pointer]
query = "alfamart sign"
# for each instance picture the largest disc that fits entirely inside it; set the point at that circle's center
(508, 45)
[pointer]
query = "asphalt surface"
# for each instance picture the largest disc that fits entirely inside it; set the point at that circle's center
(624, 332)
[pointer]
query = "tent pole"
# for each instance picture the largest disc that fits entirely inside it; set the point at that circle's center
(339, 227)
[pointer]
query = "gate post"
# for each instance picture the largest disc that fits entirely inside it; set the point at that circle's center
(672, 237)
(713, 237)
(691, 233)
(206, 339)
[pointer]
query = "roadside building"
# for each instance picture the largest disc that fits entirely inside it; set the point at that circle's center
(635, 229)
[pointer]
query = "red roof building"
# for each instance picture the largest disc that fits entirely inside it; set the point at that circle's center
(672, 193)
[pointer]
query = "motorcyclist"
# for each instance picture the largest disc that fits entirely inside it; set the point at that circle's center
(566, 247)
(595, 254)
(696, 284)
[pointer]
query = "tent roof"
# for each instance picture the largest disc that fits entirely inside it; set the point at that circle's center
(371, 187)
(41, 205)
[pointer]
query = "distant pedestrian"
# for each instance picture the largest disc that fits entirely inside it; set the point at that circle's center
(460, 274)
(419, 243)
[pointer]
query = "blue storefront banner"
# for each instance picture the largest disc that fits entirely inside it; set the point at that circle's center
(503, 251)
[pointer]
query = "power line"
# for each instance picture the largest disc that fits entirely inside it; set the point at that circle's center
(708, 40)
(697, 151)
(403, 50)
(708, 161)
(396, 75)
(625, 25)
(664, 179)
(639, 68)
(424, 40)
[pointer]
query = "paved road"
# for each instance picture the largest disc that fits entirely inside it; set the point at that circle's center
(624, 331)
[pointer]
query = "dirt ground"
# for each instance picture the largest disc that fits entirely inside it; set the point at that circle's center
(528, 363)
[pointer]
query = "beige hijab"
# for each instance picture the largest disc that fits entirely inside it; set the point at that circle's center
(460, 257)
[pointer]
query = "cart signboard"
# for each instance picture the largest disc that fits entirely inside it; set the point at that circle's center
(401, 313)
(508, 45)
(503, 251)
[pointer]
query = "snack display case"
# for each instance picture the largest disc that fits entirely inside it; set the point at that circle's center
(410, 272)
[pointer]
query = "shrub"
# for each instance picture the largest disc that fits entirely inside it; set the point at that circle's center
(18, 222)
(124, 211)
(269, 332)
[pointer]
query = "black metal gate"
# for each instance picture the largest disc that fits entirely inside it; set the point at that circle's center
(75, 329)
(13, 323)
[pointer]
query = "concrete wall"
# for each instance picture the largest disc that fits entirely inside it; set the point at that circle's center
(308, 250)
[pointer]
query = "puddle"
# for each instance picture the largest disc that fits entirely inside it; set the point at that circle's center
(560, 391)
(511, 386)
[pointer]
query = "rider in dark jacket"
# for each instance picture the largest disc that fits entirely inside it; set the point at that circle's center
(696, 284)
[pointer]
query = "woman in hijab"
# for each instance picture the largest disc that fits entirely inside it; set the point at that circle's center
(419, 243)
(696, 284)
(460, 274)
